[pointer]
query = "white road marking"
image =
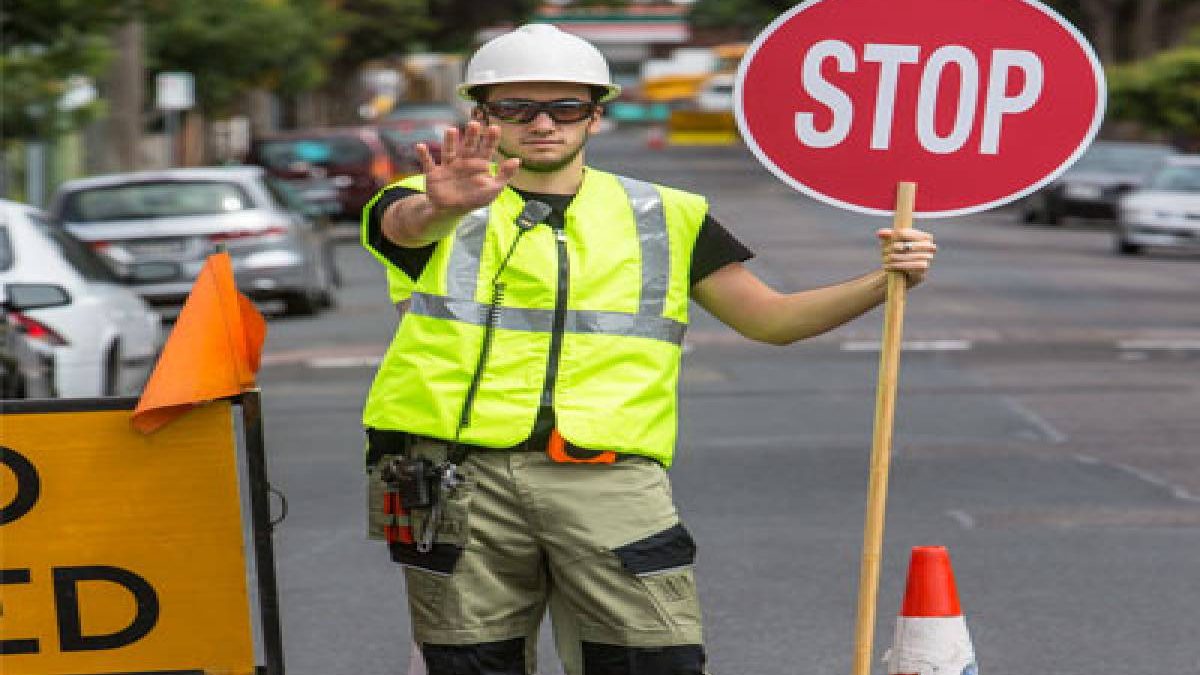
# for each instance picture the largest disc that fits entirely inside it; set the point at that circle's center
(1035, 420)
(909, 345)
(1159, 344)
(1177, 491)
(344, 362)
(962, 518)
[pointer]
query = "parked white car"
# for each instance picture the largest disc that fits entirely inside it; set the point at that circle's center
(1165, 212)
(103, 337)
(181, 216)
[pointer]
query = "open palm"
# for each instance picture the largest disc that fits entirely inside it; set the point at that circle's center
(463, 180)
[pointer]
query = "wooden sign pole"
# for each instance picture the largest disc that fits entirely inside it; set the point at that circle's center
(881, 444)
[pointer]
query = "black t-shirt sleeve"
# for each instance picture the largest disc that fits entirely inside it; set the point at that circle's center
(411, 261)
(715, 248)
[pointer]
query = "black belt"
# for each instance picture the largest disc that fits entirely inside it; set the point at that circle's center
(382, 442)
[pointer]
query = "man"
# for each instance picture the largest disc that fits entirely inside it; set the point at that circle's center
(535, 372)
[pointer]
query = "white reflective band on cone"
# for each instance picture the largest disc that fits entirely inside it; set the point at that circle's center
(931, 646)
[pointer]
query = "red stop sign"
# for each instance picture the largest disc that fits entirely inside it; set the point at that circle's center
(979, 102)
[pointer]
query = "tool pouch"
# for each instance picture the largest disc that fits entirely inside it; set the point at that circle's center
(401, 475)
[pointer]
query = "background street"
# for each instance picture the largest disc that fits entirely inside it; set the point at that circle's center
(1046, 433)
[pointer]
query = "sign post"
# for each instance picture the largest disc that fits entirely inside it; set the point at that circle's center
(175, 92)
(856, 103)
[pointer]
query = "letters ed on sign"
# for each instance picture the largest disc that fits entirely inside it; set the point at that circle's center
(107, 565)
(978, 102)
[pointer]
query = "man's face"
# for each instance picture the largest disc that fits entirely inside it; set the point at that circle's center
(542, 144)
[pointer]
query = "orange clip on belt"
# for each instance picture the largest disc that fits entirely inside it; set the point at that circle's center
(396, 533)
(556, 447)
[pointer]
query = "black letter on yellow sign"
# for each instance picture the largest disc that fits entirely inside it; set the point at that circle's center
(66, 595)
(28, 485)
(18, 645)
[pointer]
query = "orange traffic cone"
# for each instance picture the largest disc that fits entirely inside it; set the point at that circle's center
(931, 633)
(656, 138)
(213, 351)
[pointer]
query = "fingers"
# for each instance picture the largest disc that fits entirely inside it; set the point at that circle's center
(425, 157)
(475, 142)
(908, 250)
(906, 241)
(470, 141)
(450, 145)
(489, 141)
(507, 169)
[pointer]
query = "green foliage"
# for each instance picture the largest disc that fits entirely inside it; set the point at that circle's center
(44, 43)
(457, 21)
(372, 29)
(232, 45)
(751, 16)
(376, 29)
(1161, 93)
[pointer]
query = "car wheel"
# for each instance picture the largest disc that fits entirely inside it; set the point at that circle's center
(329, 258)
(1052, 215)
(112, 371)
(301, 303)
(1125, 247)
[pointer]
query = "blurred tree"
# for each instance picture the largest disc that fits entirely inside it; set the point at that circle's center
(458, 21)
(372, 29)
(230, 46)
(748, 16)
(1161, 93)
(46, 43)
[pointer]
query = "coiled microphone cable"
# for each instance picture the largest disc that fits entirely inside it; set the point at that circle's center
(530, 217)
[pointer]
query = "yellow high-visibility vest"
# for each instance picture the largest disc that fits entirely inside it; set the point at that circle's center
(620, 267)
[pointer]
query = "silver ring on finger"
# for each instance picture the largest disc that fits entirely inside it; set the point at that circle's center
(904, 246)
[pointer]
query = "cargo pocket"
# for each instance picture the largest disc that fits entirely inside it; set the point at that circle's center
(426, 591)
(663, 563)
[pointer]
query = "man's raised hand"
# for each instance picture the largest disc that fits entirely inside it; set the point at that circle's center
(462, 181)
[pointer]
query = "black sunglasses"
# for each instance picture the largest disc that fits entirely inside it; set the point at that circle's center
(524, 111)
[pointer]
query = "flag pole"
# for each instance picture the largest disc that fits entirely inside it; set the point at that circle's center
(881, 443)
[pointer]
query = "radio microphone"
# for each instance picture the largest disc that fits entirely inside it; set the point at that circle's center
(532, 215)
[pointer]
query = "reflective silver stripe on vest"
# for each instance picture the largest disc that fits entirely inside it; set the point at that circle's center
(542, 320)
(656, 245)
(463, 269)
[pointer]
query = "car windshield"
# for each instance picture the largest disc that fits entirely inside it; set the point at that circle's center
(136, 201)
(330, 151)
(1121, 158)
(1177, 179)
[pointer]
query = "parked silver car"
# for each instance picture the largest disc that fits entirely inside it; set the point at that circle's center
(1094, 184)
(184, 215)
(1164, 213)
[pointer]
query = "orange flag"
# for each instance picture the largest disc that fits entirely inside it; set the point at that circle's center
(212, 352)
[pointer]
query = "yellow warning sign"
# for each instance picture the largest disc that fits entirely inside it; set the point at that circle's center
(121, 552)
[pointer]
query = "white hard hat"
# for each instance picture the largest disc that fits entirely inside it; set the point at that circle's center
(538, 52)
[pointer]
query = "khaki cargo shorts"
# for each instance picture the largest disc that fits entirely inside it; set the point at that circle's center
(602, 543)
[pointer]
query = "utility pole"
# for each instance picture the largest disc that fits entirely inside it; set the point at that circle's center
(128, 96)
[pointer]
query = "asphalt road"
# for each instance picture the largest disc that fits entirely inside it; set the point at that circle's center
(1046, 433)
